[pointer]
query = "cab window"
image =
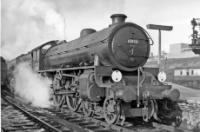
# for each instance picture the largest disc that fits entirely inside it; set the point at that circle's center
(45, 48)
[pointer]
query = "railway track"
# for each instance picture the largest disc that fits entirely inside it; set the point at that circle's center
(14, 120)
(66, 121)
(24, 119)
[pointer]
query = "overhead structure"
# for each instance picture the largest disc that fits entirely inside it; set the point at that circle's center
(159, 28)
(195, 35)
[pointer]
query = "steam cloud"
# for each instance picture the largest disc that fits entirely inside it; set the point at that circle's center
(27, 24)
(31, 86)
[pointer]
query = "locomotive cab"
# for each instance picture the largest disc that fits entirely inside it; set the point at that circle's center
(38, 53)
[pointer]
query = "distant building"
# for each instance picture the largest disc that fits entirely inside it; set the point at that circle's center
(187, 76)
(187, 71)
(180, 50)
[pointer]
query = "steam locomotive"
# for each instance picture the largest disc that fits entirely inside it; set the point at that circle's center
(102, 74)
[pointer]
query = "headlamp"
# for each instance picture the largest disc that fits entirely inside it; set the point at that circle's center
(162, 76)
(116, 76)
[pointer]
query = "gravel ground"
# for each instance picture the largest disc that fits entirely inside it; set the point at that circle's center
(191, 107)
(191, 115)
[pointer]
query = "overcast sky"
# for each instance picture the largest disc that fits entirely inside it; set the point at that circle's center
(29, 23)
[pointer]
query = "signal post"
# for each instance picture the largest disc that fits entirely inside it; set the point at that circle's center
(159, 28)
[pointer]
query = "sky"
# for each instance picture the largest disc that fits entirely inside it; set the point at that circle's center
(26, 24)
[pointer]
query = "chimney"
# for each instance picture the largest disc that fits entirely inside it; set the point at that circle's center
(118, 18)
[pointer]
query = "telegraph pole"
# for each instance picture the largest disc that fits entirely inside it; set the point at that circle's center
(64, 29)
(159, 28)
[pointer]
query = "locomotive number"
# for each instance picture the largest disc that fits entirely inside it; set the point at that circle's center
(133, 41)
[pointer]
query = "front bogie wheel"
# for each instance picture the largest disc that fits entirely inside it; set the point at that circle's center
(112, 110)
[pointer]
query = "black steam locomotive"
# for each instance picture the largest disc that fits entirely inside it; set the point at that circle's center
(103, 74)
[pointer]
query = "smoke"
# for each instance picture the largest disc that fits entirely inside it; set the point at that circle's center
(27, 24)
(32, 87)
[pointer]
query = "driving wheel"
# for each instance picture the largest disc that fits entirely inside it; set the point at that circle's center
(73, 102)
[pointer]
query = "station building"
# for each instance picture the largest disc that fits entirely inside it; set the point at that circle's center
(187, 71)
(187, 76)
